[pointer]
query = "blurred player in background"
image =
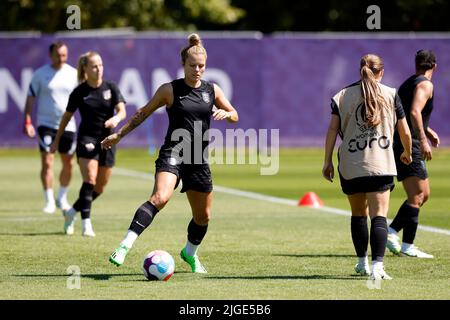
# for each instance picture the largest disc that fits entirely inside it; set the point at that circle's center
(51, 85)
(189, 103)
(365, 114)
(416, 94)
(97, 100)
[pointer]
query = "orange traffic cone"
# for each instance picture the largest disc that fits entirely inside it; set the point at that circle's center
(310, 199)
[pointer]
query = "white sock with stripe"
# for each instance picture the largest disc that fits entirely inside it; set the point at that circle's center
(191, 249)
(129, 239)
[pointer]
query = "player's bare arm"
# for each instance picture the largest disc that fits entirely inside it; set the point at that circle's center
(28, 128)
(330, 141)
(225, 109)
(405, 137)
(119, 116)
(433, 137)
(62, 126)
(423, 92)
(163, 96)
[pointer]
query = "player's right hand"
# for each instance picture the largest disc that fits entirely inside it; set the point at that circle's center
(328, 171)
(110, 140)
(406, 158)
(28, 129)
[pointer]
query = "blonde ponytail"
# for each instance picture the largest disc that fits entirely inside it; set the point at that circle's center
(82, 64)
(195, 46)
(370, 67)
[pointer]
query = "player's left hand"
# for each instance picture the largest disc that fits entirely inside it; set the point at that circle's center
(221, 114)
(54, 146)
(426, 150)
(434, 139)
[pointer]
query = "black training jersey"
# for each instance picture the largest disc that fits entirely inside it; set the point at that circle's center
(189, 119)
(406, 93)
(96, 105)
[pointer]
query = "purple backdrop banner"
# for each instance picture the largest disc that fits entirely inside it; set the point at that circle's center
(275, 82)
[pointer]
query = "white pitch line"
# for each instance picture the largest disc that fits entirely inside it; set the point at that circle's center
(258, 196)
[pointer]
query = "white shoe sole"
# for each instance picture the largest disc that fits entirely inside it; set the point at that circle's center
(410, 256)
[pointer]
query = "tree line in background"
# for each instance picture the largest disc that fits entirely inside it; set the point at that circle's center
(267, 16)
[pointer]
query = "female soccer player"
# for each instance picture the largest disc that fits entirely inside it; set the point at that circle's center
(189, 103)
(365, 115)
(96, 99)
(416, 94)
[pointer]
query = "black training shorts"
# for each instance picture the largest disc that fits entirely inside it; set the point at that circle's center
(367, 184)
(90, 148)
(416, 168)
(196, 177)
(47, 135)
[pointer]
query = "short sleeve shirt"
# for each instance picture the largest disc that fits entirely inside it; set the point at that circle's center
(96, 106)
(52, 88)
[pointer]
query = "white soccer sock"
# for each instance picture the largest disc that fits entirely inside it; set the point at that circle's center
(129, 239)
(62, 194)
(191, 249)
(377, 265)
(406, 246)
(48, 195)
(392, 231)
(363, 261)
(86, 224)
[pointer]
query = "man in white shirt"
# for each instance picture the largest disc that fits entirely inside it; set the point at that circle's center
(51, 85)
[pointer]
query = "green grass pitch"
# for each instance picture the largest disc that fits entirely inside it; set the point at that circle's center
(253, 249)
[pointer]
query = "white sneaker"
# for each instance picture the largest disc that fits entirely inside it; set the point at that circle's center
(393, 243)
(63, 204)
(88, 233)
(49, 208)
(362, 269)
(379, 274)
(413, 251)
(69, 221)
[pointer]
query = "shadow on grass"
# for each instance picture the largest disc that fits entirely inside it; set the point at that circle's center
(291, 277)
(33, 234)
(317, 255)
(100, 277)
(14, 211)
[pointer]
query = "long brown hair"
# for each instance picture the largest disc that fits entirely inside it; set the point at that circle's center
(195, 46)
(82, 63)
(370, 67)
